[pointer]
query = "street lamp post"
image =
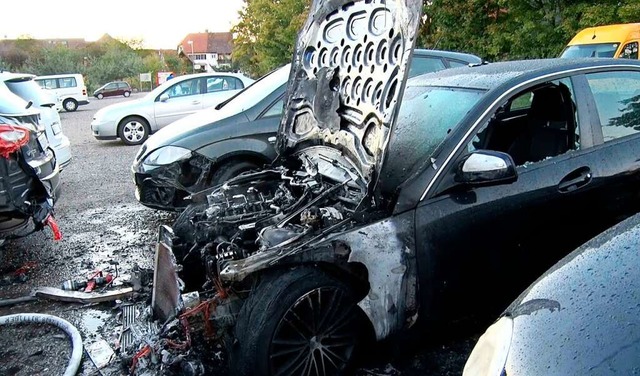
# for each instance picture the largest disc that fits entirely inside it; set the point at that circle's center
(193, 69)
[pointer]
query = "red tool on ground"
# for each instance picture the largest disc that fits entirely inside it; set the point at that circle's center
(97, 279)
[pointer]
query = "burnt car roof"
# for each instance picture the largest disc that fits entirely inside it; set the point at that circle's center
(492, 75)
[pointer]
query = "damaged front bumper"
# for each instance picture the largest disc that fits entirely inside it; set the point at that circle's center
(166, 187)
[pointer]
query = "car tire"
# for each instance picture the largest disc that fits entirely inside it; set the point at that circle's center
(127, 94)
(133, 130)
(100, 96)
(230, 169)
(268, 343)
(70, 105)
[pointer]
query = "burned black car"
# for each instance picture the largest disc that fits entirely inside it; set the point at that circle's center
(375, 219)
(29, 174)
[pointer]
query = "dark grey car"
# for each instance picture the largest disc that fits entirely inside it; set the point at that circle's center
(208, 148)
(581, 317)
(29, 174)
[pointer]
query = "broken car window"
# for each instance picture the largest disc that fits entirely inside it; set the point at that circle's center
(534, 125)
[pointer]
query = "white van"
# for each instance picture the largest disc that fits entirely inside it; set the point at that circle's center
(70, 88)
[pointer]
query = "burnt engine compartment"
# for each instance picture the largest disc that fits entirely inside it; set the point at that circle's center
(274, 208)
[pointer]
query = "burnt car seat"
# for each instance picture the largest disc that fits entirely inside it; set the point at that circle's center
(550, 121)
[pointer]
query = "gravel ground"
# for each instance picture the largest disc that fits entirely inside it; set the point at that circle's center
(101, 221)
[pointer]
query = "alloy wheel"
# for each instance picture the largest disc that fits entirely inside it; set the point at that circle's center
(316, 336)
(133, 132)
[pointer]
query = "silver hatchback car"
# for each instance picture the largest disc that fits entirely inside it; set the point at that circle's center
(133, 121)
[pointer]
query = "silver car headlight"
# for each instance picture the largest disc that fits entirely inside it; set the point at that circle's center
(489, 356)
(166, 155)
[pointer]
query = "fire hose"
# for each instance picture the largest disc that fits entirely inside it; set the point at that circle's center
(72, 332)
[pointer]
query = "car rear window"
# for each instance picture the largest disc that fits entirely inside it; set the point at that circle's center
(11, 104)
(422, 64)
(30, 90)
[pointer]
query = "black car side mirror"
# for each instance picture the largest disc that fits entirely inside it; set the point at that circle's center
(486, 166)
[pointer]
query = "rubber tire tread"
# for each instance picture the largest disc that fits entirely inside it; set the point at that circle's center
(272, 297)
(140, 120)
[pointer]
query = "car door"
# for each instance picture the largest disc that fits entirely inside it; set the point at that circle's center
(615, 121)
(117, 90)
(480, 245)
(123, 87)
(110, 90)
(219, 88)
(182, 98)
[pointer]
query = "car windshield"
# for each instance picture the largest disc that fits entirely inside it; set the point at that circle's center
(427, 115)
(255, 92)
(590, 50)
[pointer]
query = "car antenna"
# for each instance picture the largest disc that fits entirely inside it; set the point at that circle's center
(594, 34)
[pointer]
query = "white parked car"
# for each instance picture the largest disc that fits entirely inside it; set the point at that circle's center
(24, 86)
(133, 121)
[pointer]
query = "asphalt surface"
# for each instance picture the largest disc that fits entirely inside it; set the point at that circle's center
(101, 221)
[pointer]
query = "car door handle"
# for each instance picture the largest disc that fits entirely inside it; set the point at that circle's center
(195, 102)
(576, 179)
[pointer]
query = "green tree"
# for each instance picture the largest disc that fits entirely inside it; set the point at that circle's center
(16, 56)
(176, 64)
(266, 34)
(117, 63)
(55, 60)
(516, 29)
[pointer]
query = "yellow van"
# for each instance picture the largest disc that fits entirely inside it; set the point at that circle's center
(617, 41)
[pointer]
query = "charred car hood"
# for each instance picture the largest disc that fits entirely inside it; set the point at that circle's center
(348, 74)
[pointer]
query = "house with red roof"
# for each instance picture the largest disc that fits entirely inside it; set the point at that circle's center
(207, 51)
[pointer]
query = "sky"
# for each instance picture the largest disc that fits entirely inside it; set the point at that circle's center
(159, 25)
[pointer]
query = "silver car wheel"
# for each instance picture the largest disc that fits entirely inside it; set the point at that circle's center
(133, 131)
